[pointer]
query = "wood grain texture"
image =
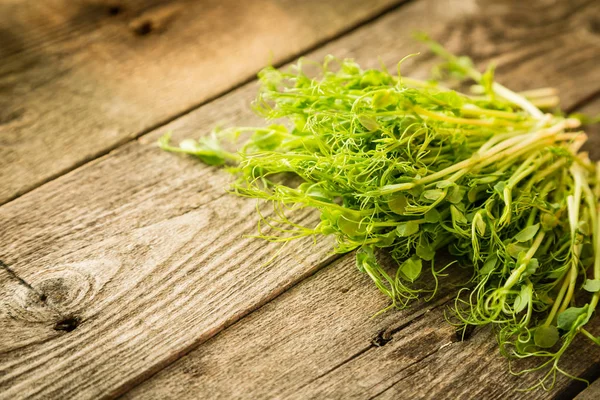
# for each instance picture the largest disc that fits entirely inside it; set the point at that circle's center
(475, 370)
(319, 341)
(78, 78)
(592, 109)
(137, 264)
(140, 253)
(318, 326)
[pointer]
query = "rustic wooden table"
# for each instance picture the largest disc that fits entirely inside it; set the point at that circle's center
(124, 271)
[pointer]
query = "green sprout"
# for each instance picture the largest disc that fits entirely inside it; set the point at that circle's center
(415, 169)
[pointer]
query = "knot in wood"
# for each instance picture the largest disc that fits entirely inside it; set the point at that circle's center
(65, 289)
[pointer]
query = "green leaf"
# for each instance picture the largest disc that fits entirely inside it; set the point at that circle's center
(408, 228)
(444, 184)
(451, 99)
(489, 265)
(532, 266)
(374, 77)
(545, 336)
(370, 124)
(425, 251)
(315, 192)
(567, 318)
(523, 298)
(430, 228)
(472, 194)
(514, 249)
(411, 268)
(499, 188)
(583, 227)
(592, 285)
(350, 67)
(485, 180)
(351, 227)
(433, 194)
(417, 190)
(545, 298)
(527, 233)
(548, 221)
(207, 149)
(456, 194)
(398, 204)
(269, 138)
(384, 99)
(364, 255)
(457, 216)
(386, 240)
(432, 216)
(487, 80)
(480, 225)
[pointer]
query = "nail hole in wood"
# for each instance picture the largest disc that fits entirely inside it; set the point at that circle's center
(595, 25)
(68, 324)
(382, 339)
(464, 333)
(43, 297)
(114, 10)
(144, 28)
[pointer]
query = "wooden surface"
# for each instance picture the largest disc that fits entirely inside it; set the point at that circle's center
(318, 340)
(129, 274)
(78, 78)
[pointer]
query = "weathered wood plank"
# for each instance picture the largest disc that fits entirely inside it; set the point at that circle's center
(118, 265)
(592, 109)
(317, 326)
(473, 369)
(163, 261)
(441, 369)
(78, 78)
(317, 341)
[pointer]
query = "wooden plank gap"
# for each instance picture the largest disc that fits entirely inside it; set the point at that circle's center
(575, 388)
(584, 102)
(592, 392)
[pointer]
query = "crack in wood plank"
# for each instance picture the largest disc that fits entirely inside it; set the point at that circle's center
(393, 328)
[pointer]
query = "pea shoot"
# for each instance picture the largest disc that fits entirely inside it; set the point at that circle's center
(415, 169)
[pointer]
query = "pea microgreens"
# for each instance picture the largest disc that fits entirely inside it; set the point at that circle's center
(415, 168)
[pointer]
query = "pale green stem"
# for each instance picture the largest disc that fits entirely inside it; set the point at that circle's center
(573, 203)
(516, 274)
(557, 303)
(519, 100)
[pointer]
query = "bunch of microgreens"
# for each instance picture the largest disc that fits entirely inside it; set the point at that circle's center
(412, 167)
